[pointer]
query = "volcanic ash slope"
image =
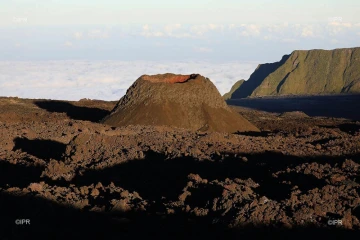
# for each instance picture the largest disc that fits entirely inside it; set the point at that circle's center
(184, 101)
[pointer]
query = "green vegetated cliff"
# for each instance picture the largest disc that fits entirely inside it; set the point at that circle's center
(305, 72)
(233, 89)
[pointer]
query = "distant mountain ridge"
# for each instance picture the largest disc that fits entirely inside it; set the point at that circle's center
(233, 89)
(304, 72)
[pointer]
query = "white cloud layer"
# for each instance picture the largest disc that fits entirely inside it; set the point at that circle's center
(107, 80)
(264, 31)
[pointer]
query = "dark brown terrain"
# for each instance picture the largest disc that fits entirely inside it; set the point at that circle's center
(75, 178)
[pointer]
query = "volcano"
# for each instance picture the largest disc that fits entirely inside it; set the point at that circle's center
(184, 101)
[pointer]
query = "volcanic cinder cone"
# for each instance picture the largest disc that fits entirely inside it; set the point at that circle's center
(184, 101)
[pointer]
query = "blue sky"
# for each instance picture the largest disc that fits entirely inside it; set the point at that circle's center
(227, 30)
(222, 37)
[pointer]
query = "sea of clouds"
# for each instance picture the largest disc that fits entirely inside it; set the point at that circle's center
(105, 80)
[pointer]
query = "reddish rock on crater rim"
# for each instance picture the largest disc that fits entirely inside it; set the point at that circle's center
(168, 78)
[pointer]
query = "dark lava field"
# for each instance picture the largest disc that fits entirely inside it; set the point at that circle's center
(75, 178)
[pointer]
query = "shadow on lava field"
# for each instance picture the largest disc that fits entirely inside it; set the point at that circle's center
(18, 175)
(40, 148)
(156, 176)
(350, 128)
(159, 179)
(72, 111)
(50, 220)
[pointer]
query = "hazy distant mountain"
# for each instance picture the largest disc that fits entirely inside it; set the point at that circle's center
(304, 72)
